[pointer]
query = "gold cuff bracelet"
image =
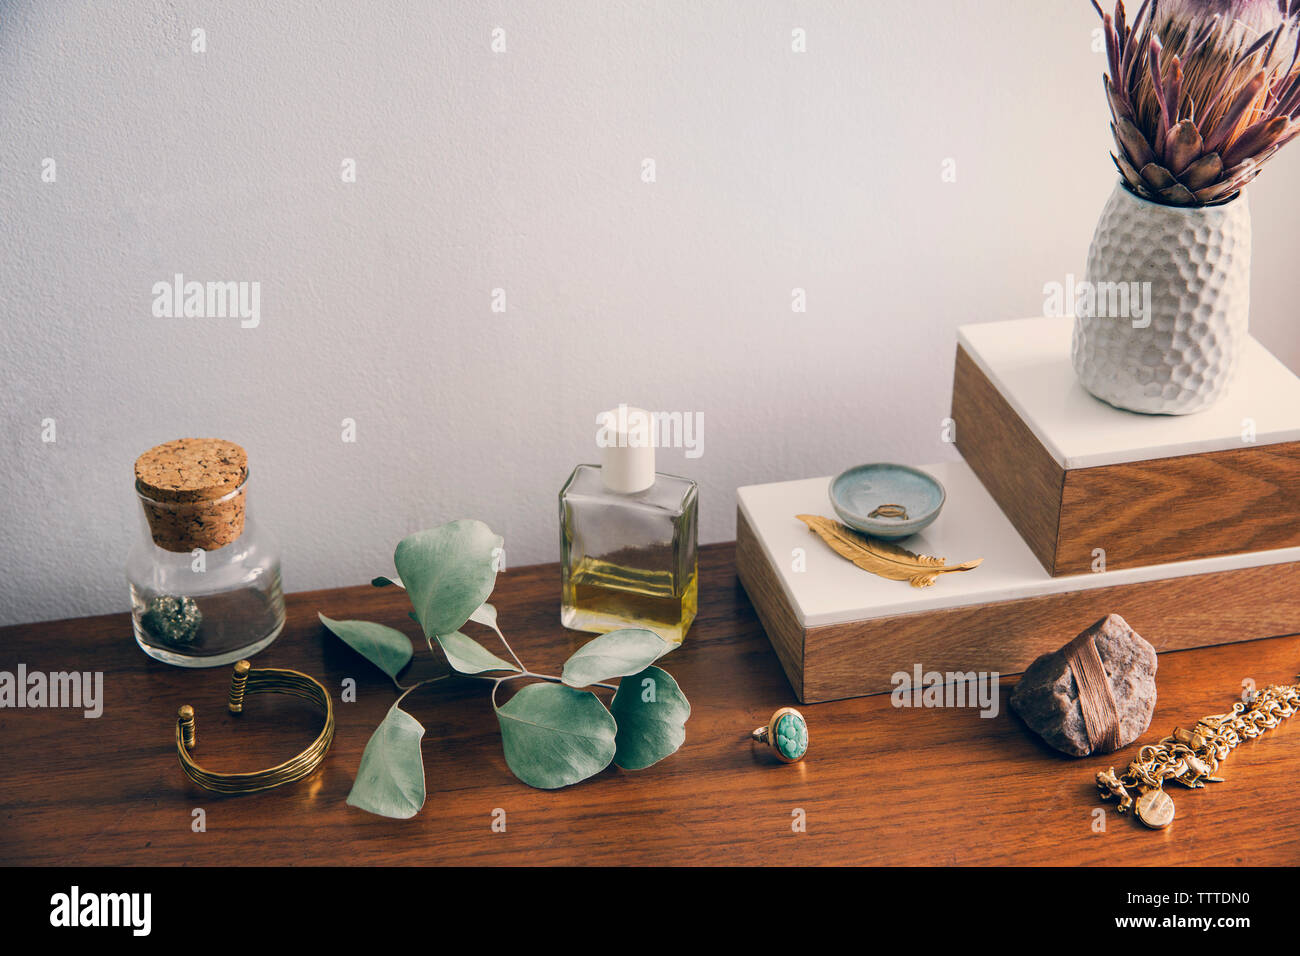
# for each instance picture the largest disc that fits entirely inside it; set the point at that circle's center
(274, 681)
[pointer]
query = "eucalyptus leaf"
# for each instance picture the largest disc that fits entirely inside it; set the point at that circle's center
(390, 780)
(616, 654)
(486, 614)
(651, 711)
(554, 736)
(448, 572)
(469, 656)
(385, 647)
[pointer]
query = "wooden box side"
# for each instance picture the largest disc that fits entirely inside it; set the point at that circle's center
(1177, 509)
(1015, 468)
(860, 658)
(760, 581)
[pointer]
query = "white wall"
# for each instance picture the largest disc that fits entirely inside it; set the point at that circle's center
(518, 170)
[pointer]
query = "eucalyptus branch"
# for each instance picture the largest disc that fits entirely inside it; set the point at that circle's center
(555, 731)
(509, 649)
(405, 687)
(416, 686)
(550, 677)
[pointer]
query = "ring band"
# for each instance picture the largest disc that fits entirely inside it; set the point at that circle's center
(270, 680)
(889, 511)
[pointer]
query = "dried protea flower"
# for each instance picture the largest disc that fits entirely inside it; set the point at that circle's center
(1201, 93)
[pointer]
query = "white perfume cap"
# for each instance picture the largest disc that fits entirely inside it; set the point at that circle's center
(627, 451)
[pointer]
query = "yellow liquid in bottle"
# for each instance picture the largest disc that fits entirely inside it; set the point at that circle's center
(601, 596)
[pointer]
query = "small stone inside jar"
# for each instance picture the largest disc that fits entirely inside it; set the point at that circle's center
(172, 620)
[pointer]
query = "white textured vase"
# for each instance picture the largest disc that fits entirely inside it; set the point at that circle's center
(1197, 264)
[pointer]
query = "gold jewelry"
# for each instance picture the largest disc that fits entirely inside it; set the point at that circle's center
(274, 681)
(889, 511)
(1192, 757)
(786, 733)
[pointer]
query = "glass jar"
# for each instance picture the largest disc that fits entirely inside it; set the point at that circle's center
(204, 577)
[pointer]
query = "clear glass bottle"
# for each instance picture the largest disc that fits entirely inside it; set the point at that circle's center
(628, 541)
(204, 576)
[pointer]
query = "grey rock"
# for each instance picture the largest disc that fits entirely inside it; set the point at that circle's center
(1047, 698)
(172, 620)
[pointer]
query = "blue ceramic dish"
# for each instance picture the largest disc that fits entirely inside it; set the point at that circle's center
(856, 493)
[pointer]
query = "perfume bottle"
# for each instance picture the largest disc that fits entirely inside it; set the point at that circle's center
(628, 537)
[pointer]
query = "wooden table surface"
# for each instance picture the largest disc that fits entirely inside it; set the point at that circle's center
(880, 785)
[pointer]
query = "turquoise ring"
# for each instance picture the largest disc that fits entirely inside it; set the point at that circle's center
(786, 733)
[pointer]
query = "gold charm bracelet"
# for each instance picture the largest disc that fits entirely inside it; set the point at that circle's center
(1192, 757)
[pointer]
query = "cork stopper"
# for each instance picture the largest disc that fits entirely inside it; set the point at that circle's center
(192, 490)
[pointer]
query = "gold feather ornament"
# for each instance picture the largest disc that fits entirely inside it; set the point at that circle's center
(881, 557)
